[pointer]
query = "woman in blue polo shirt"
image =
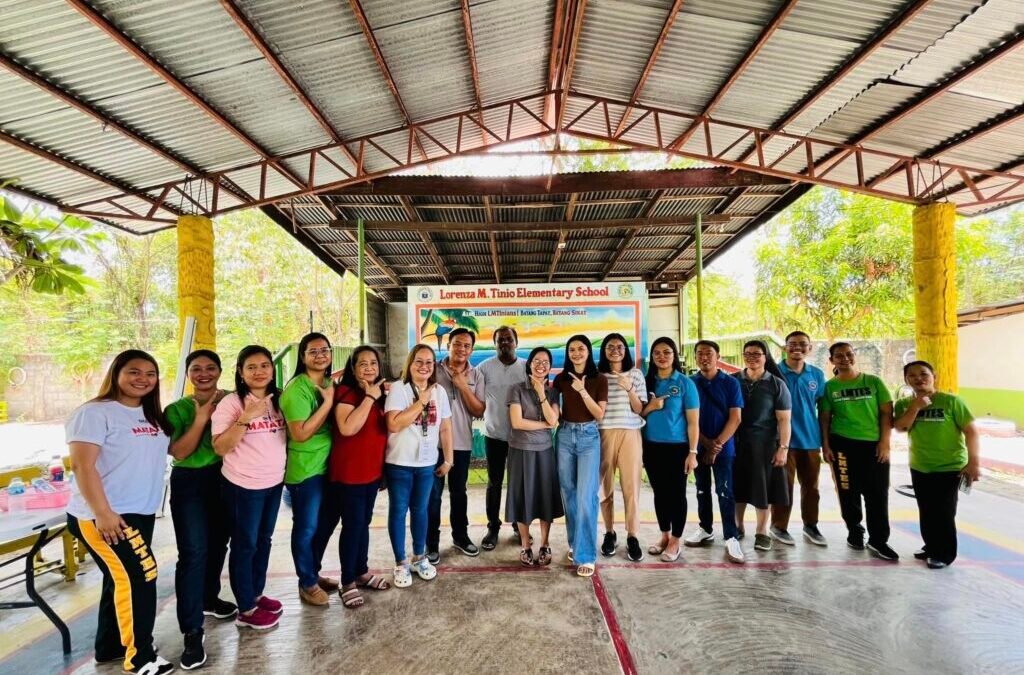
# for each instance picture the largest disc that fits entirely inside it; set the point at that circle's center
(670, 442)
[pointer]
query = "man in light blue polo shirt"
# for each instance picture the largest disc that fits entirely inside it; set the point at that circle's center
(806, 385)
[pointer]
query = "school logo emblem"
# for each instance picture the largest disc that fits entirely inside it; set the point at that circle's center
(673, 390)
(625, 290)
(424, 295)
(812, 385)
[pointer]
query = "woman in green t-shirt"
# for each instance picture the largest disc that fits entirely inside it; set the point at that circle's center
(306, 403)
(943, 455)
(200, 524)
(856, 423)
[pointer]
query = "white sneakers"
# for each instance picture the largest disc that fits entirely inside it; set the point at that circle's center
(734, 552)
(699, 537)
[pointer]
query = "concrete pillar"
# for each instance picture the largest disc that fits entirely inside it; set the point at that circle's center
(935, 290)
(195, 280)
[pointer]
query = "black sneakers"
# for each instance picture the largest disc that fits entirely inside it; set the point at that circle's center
(433, 556)
(855, 542)
(610, 545)
(194, 655)
(157, 666)
(221, 609)
(883, 551)
(633, 550)
(466, 546)
(490, 540)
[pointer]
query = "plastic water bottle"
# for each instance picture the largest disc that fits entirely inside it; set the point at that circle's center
(56, 469)
(16, 495)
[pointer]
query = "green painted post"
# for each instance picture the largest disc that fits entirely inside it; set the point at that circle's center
(361, 268)
(700, 279)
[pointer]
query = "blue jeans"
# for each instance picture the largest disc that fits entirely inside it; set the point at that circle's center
(253, 514)
(723, 488)
(458, 501)
(201, 529)
(355, 503)
(408, 492)
(310, 529)
(579, 463)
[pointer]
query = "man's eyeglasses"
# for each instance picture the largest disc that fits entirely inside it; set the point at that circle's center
(750, 356)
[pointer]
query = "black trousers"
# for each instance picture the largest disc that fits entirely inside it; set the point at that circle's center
(127, 611)
(201, 528)
(858, 474)
(497, 457)
(664, 463)
(458, 502)
(937, 495)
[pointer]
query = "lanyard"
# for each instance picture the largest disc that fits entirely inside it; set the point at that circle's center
(425, 415)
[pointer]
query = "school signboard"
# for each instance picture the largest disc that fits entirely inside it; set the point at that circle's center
(542, 314)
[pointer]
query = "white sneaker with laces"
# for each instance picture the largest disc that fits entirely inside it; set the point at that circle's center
(402, 576)
(424, 569)
(699, 537)
(734, 551)
(158, 666)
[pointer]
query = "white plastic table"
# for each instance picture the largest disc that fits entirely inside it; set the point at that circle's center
(46, 524)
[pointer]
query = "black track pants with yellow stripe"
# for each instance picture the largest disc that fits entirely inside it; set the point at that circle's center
(128, 601)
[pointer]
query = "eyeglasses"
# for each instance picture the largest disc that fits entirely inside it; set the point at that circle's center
(319, 352)
(615, 348)
(540, 364)
(422, 364)
(750, 356)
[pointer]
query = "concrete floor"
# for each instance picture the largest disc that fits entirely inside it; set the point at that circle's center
(797, 609)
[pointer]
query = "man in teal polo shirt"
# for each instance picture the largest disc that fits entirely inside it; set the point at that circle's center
(806, 385)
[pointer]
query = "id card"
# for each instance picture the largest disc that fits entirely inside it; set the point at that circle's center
(428, 441)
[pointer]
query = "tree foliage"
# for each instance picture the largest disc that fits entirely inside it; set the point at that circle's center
(841, 264)
(34, 249)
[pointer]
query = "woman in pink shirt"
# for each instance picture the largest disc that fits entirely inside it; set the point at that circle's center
(249, 433)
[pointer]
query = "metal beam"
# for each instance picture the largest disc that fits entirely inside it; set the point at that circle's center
(492, 239)
(570, 213)
(734, 76)
(539, 226)
(563, 183)
(645, 212)
(414, 216)
(125, 189)
(389, 80)
(649, 66)
(922, 185)
(239, 17)
(577, 9)
(555, 60)
(467, 28)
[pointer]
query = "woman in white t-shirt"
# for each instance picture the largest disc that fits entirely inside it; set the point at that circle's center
(419, 419)
(118, 443)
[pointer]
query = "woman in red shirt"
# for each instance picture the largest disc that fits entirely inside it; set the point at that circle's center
(356, 467)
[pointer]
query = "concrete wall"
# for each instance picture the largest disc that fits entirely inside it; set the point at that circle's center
(988, 354)
(397, 337)
(45, 394)
(663, 320)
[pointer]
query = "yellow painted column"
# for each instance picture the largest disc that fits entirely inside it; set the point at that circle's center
(935, 291)
(195, 280)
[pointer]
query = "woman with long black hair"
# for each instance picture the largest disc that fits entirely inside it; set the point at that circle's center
(670, 443)
(306, 403)
(762, 440)
(584, 397)
(621, 443)
(249, 434)
(118, 444)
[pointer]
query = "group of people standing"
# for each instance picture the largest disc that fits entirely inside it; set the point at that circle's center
(334, 446)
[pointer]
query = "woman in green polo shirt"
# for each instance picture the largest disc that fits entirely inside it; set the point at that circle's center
(943, 452)
(306, 403)
(856, 423)
(200, 526)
